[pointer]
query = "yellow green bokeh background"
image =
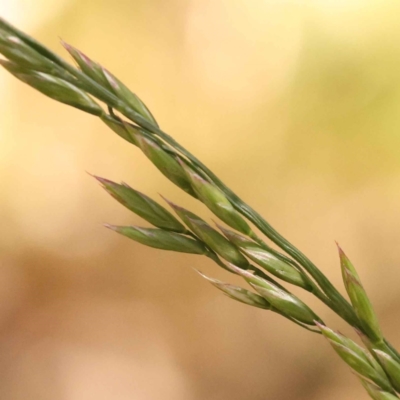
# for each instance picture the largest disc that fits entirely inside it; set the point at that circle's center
(295, 104)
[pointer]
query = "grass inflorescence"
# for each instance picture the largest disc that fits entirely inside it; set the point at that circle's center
(237, 247)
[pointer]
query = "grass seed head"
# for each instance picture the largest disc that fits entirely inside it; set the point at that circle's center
(356, 357)
(165, 162)
(142, 205)
(287, 303)
(211, 237)
(217, 242)
(391, 366)
(161, 239)
(19, 52)
(216, 201)
(375, 392)
(55, 88)
(120, 129)
(103, 77)
(238, 293)
(236, 238)
(266, 259)
(359, 298)
(362, 367)
(337, 337)
(126, 95)
(275, 266)
(89, 67)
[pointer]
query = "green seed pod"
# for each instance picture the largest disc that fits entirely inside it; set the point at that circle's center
(99, 74)
(161, 239)
(19, 52)
(356, 357)
(56, 88)
(142, 205)
(239, 294)
(376, 393)
(287, 303)
(166, 163)
(359, 299)
(216, 201)
(211, 237)
(391, 366)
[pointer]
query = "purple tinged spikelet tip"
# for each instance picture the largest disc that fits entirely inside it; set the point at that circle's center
(320, 326)
(126, 185)
(112, 227)
(169, 202)
(65, 45)
(103, 181)
(110, 78)
(340, 250)
(98, 178)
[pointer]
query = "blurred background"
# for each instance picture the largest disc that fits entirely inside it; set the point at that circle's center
(294, 104)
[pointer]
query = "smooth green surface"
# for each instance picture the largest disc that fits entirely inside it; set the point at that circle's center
(142, 205)
(161, 239)
(216, 201)
(359, 298)
(287, 303)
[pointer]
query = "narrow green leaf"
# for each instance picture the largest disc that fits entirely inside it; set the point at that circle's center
(161, 239)
(142, 205)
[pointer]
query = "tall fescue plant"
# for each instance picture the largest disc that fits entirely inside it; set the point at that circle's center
(234, 246)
